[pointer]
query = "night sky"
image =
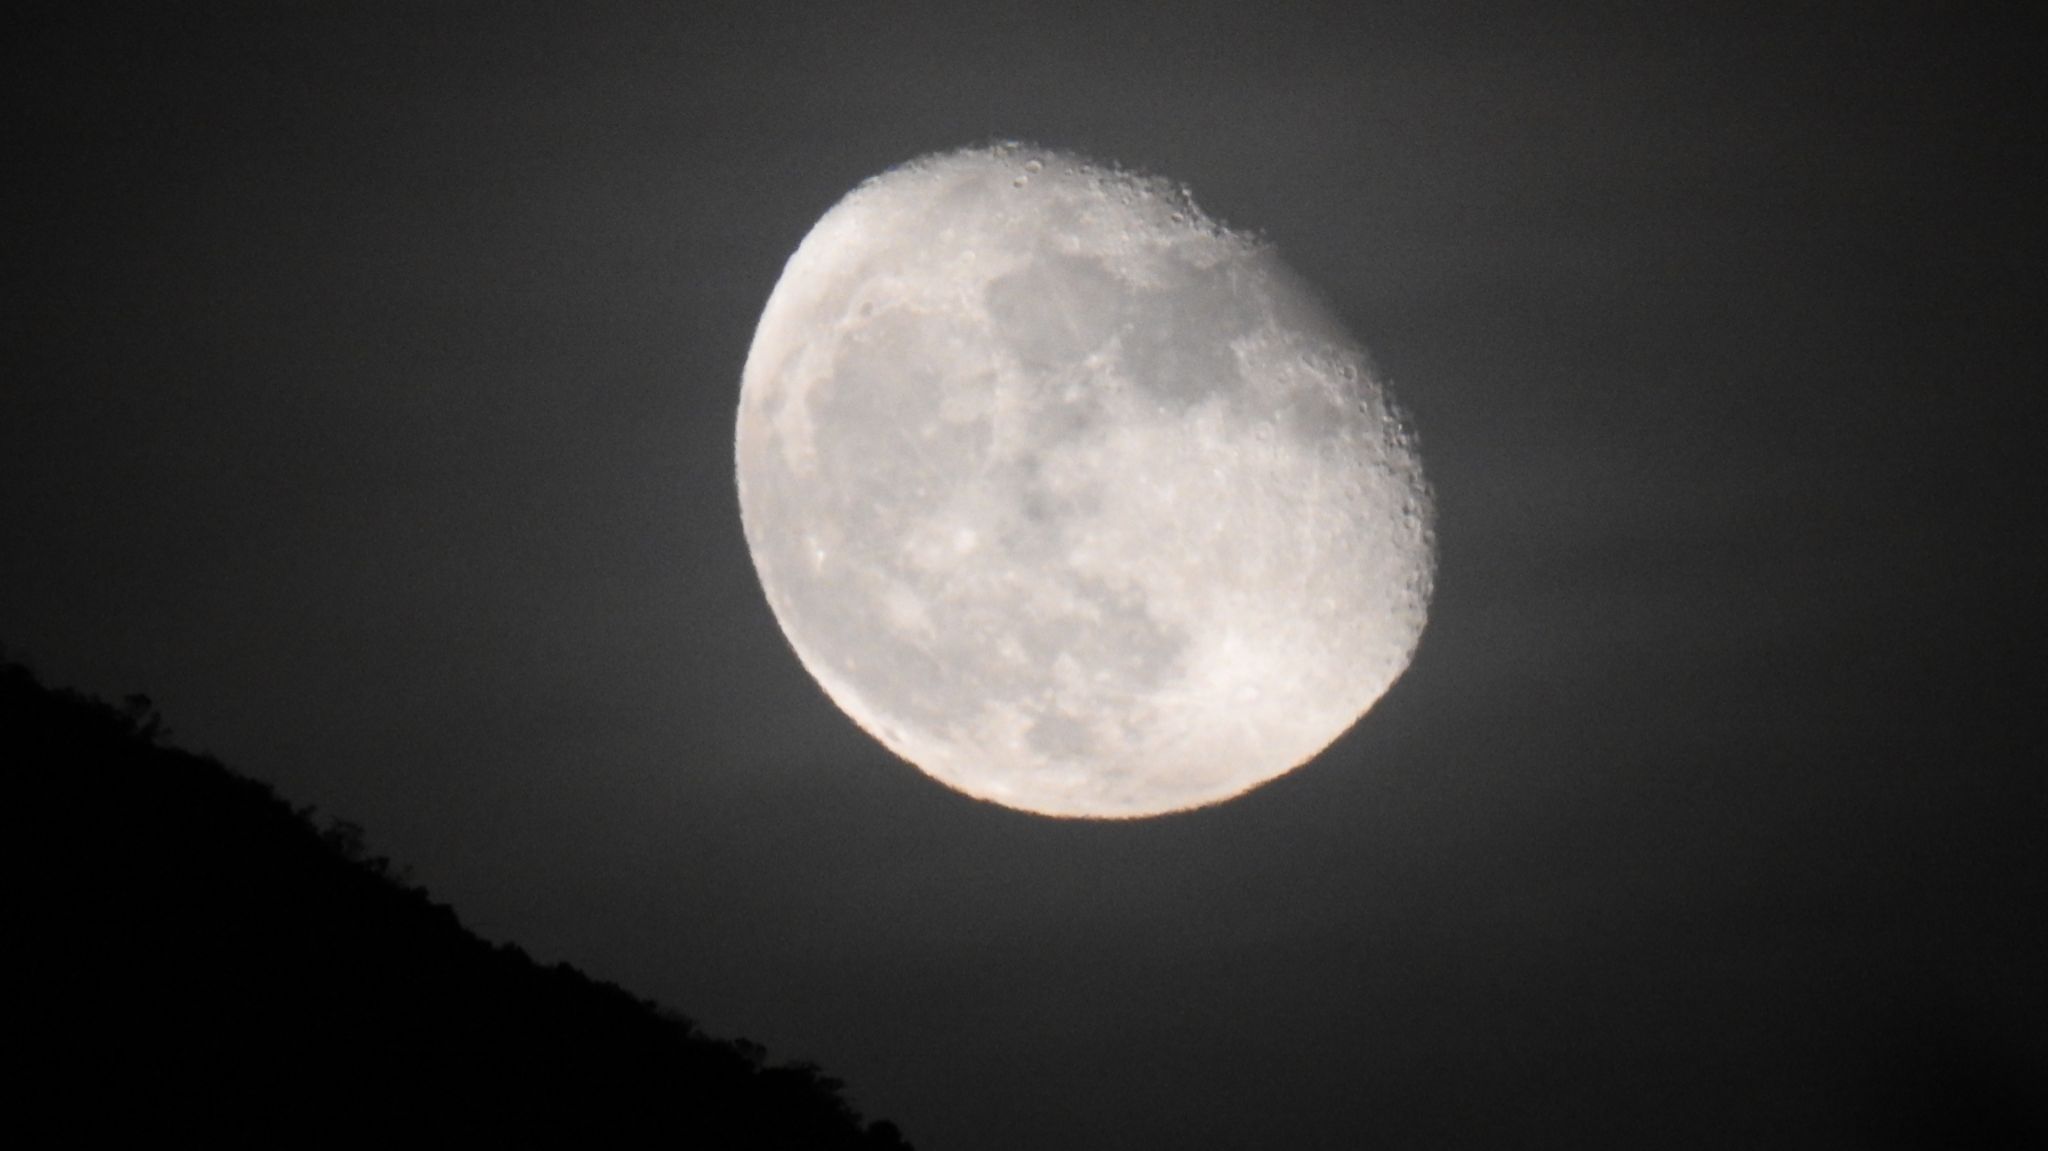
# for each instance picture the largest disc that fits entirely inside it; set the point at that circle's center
(367, 385)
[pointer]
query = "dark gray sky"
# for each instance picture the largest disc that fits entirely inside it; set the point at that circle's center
(367, 383)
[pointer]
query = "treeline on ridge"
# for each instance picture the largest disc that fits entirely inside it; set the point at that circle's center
(203, 959)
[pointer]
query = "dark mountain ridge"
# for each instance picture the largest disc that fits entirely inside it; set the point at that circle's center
(203, 959)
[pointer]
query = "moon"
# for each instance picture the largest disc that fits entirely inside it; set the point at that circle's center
(1072, 497)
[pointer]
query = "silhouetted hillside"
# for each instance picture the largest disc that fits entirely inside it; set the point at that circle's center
(198, 957)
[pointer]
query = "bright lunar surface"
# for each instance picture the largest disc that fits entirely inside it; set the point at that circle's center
(1070, 496)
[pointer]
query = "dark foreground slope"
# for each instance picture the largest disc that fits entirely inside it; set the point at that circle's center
(194, 955)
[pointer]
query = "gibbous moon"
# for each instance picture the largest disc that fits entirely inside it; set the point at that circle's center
(1077, 500)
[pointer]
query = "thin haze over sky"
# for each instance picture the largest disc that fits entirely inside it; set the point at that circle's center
(369, 381)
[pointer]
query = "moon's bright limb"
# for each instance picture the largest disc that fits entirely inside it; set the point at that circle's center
(1071, 497)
